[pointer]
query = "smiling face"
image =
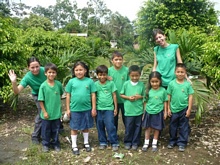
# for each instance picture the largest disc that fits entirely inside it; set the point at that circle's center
(135, 76)
(160, 39)
(180, 73)
(117, 62)
(80, 72)
(155, 83)
(34, 67)
(102, 77)
(51, 74)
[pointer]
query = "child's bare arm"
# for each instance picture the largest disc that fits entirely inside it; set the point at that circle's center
(168, 106)
(188, 112)
(94, 113)
(115, 103)
(165, 110)
(46, 116)
(68, 104)
(130, 98)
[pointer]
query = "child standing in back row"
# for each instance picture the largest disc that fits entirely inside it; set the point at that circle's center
(133, 91)
(106, 109)
(49, 97)
(80, 104)
(119, 74)
(156, 110)
(179, 108)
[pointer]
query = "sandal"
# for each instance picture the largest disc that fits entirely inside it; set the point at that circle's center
(75, 151)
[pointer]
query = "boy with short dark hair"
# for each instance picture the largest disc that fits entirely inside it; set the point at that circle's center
(133, 92)
(49, 97)
(106, 105)
(179, 108)
(119, 74)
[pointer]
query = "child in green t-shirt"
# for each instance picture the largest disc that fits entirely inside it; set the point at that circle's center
(133, 92)
(179, 108)
(156, 110)
(119, 74)
(49, 97)
(80, 104)
(106, 105)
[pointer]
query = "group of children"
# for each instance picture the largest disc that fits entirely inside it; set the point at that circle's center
(118, 89)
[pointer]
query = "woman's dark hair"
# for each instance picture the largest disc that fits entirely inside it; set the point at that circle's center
(102, 69)
(83, 65)
(32, 59)
(155, 74)
(50, 66)
(157, 31)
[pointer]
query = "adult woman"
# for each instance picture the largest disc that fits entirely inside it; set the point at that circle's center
(165, 57)
(34, 78)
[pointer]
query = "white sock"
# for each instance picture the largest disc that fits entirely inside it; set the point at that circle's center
(146, 142)
(74, 138)
(154, 143)
(86, 137)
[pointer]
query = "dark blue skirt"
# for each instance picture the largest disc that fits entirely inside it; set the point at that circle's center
(154, 121)
(81, 120)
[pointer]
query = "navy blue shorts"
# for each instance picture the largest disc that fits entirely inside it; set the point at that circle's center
(81, 120)
(155, 121)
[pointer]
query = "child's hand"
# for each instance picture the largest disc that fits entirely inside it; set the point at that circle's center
(68, 113)
(46, 116)
(188, 113)
(169, 112)
(165, 116)
(137, 96)
(109, 78)
(12, 76)
(143, 116)
(94, 113)
(132, 98)
(115, 112)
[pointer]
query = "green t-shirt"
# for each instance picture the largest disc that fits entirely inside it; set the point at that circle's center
(51, 96)
(80, 91)
(155, 100)
(34, 81)
(134, 108)
(179, 95)
(166, 62)
(119, 77)
(104, 99)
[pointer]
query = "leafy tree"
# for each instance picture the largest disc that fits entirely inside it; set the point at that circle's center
(37, 21)
(167, 14)
(4, 9)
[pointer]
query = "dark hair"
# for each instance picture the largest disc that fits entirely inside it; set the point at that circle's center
(157, 75)
(83, 65)
(181, 65)
(32, 59)
(157, 31)
(102, 69)
(116, 54)
(134, 68)
(50, 66)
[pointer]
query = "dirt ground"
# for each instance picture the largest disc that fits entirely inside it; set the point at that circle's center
(16, 147)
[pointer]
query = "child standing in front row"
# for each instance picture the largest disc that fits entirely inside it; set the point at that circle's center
(49, 97)
(179, 108)
(119, 74)
(156, 110)
(133, 91)
(80, 104)
(106, 109)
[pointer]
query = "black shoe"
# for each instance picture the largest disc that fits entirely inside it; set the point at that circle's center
(75, 151)
(87, 147)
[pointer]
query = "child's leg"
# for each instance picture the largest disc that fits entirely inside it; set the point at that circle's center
(46, 132)
(100, 124)
(86, 140)
(174, 124)
(137, 130)
(147, 139)
(183, 129)
(74, 138)
(154, 143)
(55, 126)
(108, 119)
(129, 131)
